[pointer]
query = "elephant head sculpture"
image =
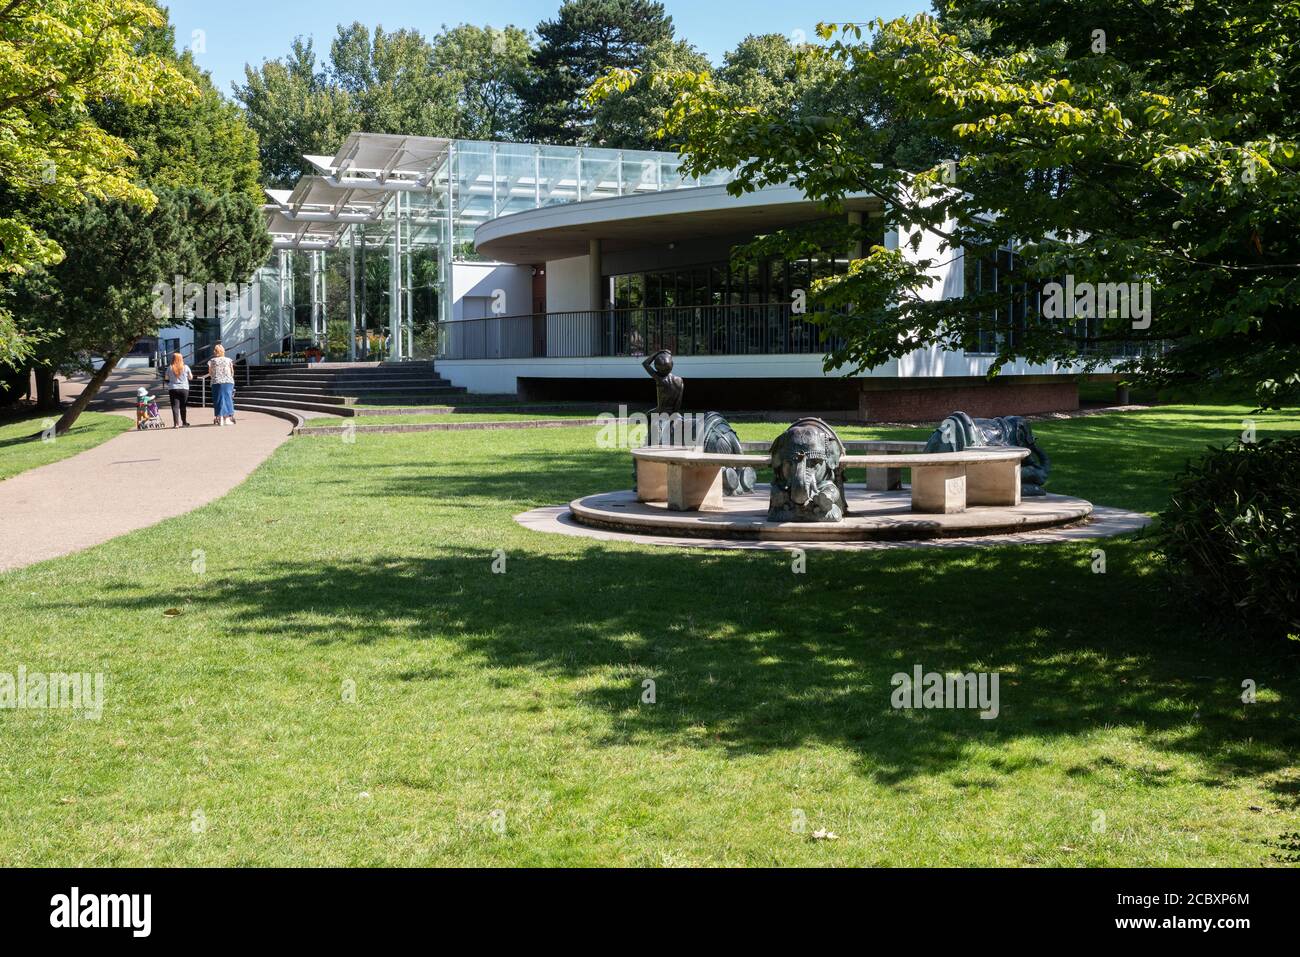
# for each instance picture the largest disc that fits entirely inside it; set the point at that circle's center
(959, 431)
(807, 477)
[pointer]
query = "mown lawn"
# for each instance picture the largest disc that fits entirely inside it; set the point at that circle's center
(498, 718)
(19, 451)
(426, 418)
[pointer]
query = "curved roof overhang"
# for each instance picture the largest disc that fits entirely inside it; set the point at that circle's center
(315, 214)
(632, 222)
(384, 161)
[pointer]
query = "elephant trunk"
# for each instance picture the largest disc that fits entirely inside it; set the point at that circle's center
(803, 484)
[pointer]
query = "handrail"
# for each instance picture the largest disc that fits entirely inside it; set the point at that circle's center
(768, 328)
(235, 347)
(202, 380)
(193, 359)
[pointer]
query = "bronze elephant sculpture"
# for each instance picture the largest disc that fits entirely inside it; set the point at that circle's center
(807, 477)
(959, 432)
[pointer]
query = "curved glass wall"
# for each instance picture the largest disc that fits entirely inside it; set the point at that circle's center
(380, 288)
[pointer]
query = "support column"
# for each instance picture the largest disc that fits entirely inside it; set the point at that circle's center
(314, 273)
(322, 275)
(651, 481)
(410, 297)
(596, 295)
(284, 320)
(855, 250)
(694, 488)
(993, 483)
(395, 284)
(363, 316)
(352, 295)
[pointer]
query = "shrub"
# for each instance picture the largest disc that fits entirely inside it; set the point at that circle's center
(1231, 534)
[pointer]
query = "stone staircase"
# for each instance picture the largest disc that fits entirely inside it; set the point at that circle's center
(334, 388)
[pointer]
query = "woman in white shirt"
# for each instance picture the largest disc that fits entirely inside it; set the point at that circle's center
(178, 389)
(222, 372)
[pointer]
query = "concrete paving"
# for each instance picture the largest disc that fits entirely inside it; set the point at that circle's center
(1101, 522)
(133, 480)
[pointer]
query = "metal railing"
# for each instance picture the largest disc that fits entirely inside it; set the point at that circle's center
(201, 379)
(750, 329)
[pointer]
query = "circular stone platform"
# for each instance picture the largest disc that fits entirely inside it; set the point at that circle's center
(876, 520)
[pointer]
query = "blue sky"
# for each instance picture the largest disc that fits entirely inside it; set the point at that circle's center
(250, 31)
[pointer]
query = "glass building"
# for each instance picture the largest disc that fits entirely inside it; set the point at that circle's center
(376, 250)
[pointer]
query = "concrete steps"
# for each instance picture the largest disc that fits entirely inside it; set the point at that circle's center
(276, 404)
(284, 395)
(352, 388)
(334, 388)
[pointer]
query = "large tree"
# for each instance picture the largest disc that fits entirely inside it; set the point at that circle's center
(295, 109)
(58, 58)
(633, 118)
(584, 40)
(203, 140)
(101, 298)
(490, 69)
(393, 81)
(373, 81)
(200, 157)
(1107, 142)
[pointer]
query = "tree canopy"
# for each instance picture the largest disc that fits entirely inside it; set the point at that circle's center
(490, 69)
(1103, 142)
(586, 38)
(196, 162)
(58, 58)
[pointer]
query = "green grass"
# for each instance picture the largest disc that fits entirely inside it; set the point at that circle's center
(521, 692)
(480, 400)
(20, 452)
(433, 417)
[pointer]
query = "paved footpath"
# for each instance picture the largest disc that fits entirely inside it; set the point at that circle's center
(133, 480)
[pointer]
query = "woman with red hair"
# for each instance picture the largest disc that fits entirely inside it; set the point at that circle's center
(178, 389)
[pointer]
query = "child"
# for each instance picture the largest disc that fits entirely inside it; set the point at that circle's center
(146, 410)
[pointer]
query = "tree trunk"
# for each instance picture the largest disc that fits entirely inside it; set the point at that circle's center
(88, 393)
(47, 389)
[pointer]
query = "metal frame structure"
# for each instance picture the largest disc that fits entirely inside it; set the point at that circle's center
(415, 196)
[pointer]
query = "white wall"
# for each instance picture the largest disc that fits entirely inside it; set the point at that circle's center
(568, 287)
(479, 283)
(184, 333)
(499, 375)
(949, 264)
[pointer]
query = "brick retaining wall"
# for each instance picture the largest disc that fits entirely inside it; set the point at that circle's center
(981, 401)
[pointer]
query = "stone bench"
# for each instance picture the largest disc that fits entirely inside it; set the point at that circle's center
(887, 479)
(942, 482)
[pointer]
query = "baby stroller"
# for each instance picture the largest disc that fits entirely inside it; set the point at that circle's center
(146, 410)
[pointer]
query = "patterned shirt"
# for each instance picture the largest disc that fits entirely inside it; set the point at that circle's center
(222, 369)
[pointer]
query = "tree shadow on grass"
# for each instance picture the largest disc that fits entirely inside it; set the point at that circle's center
(751, 659)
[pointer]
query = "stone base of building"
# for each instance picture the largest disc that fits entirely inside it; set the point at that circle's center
(864, 400)
(981, 399)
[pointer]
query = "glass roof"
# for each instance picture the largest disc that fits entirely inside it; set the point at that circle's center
(455, 185)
